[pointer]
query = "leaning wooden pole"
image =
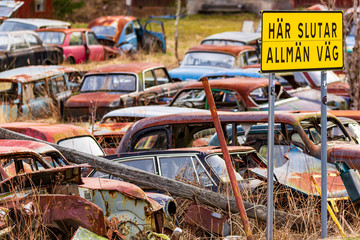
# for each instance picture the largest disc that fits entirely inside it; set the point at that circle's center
(226, 155)
(168, 185)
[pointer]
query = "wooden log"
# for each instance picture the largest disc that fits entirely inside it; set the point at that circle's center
(173, 187)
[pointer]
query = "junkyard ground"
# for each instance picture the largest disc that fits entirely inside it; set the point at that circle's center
(192, 30)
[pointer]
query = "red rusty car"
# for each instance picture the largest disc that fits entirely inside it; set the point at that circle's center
(79, 44)
(240, 94)
(186, 130)
(123, 85)
(66, 135)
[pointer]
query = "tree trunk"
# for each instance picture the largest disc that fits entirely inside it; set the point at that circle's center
(164, 184)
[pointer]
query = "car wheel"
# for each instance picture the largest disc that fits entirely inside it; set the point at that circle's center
(70, 60)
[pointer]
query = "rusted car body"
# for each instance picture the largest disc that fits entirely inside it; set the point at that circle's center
(66, 135)
(288, 83)
(240, 94)
(35, 91)
(126, 205)
(118, 86)
(24, 172)
(301, 129)
(79, 44)
(23, 48)
(114, 124)
(128, 34)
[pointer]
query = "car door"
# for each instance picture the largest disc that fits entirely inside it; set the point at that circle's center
(36, 48)
(76, 51)
(128, 39)
(36, 99)
(154, 34)
(20, 54)
(59, 90)
(95, 51)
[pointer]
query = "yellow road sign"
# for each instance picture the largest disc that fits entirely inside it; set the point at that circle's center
(301, 41)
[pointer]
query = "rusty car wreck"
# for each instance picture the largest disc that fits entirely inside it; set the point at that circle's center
(118, 86)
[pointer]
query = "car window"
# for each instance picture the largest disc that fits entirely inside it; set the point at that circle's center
(193, 98)
(111, 82)
(28, 93)
(92, 39)
(9, 26)
(129, 29)
(4, 42)
(76, 39)
(85, 144)
(145, 164)
(8, 91)
(19, 42)
(218, 167)
(209, 59)
(58, 84)
(52, 37)
(155, 141)
(204, 178)
(149, 79)
(32, 40)
(161, 76)
(178, 168)
(252, 57)
(39, 89)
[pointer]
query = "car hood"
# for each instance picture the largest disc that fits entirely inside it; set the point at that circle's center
(191, 73)
(94, 98)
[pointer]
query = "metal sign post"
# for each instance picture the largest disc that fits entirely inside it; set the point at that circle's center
(300, 41)
(270, 160)
(323, 155)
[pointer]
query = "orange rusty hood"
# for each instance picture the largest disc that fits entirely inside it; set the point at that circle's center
(97, 99)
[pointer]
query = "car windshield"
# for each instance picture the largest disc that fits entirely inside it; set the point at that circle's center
(190, 98)
(84, 144)
(9, 26)
(111, 82)
(208, 59)
(52, 37)
(354, 130)
(218, 166)
(4, 42)
(8, 91)
(104, 31)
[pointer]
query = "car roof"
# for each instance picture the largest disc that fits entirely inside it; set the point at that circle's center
(134, 67)
(40, 22)
(33, 73)
(64, 30)
(233, 50)
(45, 131)
(242, 85)
(191, 150)
(14, 146)
(149, 111)
(118, 21)
(245, 37)
(205, 117)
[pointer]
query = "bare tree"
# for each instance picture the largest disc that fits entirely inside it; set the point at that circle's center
(352, 67)
(176, 28)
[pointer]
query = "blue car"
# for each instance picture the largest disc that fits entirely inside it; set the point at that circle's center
(203, 59)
